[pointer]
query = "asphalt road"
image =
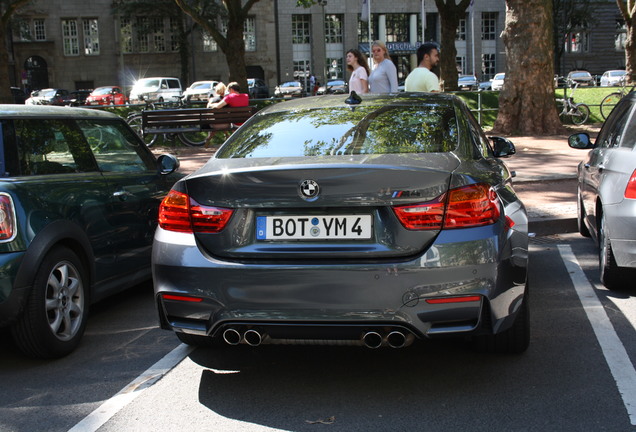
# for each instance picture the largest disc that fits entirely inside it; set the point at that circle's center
(578, 373)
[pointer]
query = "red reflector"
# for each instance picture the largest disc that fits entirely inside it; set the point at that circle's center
(181, 298)
(178, 212)
(630, 190)
(454, 299)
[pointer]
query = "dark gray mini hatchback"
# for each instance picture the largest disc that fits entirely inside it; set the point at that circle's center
(373, 220)
(79, 197)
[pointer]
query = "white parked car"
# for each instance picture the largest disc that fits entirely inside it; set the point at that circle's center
(199, 90)
(612, 77)
(497, 82)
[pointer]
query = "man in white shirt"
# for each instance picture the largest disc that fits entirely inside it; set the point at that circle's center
(421, 79)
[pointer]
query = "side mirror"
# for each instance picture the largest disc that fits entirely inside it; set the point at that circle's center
(167, 164)
(580, 141)
(502, 147)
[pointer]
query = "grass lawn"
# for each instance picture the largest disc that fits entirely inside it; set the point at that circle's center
(489, 100)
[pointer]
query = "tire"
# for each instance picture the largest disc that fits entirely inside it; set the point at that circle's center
(193, 139)
(198, 341)
(515, 340)
(612, 276)
(135, 122)
(580, 216)
(55, 314)
(609, 102)
(581, 114)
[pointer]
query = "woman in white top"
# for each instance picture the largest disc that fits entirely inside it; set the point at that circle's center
(357, 64)
(383, 78)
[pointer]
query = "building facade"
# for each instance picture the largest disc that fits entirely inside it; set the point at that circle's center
(75, 44)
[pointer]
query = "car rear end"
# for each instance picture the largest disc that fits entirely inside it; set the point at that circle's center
(338, 224)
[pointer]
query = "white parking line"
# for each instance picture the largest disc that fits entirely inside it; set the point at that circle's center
(126, 395)
(615, 354)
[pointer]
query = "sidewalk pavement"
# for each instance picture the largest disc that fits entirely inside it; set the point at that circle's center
(545, 178)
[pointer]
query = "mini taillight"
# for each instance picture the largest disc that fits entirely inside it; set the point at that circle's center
(178, 212)
(630, 190)
(7, 218)
(462, 299)
(463, 207)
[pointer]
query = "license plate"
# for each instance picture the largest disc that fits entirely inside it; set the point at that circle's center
(342, 227)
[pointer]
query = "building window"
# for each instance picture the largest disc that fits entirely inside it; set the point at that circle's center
(249, 34)
(91, 37)
(335, 68)
(333, 29)
(397, 27)
(175, 30)
(301, 29)
(488, 66)
(158, 35)
(39, 29)
(489, 25)
(209, 44)
(620, 37)
(141, 29)
(577, 42)
(461, 30)
(126, 32)
(70, 38)
(363, 29)
(461, 64)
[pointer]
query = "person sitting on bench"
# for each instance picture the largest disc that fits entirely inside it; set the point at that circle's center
(233, 99)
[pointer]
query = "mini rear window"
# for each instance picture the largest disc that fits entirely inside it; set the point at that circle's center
(345, 131)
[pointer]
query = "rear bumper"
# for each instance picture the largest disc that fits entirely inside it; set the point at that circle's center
(481, 276)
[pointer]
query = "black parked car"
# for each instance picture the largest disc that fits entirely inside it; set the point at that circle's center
(79, 195)
(257, 88)
(18, 95)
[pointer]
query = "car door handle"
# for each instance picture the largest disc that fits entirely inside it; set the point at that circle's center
(122, 194)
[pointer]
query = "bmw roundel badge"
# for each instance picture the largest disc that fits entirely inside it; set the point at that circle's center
(309, 189)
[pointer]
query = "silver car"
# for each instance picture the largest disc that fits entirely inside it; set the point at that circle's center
(376, 220)
(607, 193)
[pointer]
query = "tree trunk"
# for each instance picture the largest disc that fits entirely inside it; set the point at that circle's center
(450, 14)
(526, 102)
(630, 46)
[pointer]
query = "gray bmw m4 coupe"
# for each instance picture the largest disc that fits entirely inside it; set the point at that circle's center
(373, 220)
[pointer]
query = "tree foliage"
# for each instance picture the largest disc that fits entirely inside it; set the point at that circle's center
(450, 14)
(7, 9)
(211, 15)
(628, 12)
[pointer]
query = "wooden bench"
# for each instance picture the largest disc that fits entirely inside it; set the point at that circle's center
(194, 119)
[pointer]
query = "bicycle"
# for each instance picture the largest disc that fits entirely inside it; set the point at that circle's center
(191, 139)
(578, 113)
(609, 102)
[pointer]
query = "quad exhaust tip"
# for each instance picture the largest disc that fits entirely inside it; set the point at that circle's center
(232, 336)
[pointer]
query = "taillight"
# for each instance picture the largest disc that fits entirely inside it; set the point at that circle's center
(178, 212)
(463, 207)
(630, 190)
(7, 218)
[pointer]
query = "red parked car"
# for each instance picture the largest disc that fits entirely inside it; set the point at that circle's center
(108, 95)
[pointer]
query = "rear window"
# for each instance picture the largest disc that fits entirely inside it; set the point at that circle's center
(343, 131)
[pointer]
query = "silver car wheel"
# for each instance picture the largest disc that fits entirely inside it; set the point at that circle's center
(64, 301)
